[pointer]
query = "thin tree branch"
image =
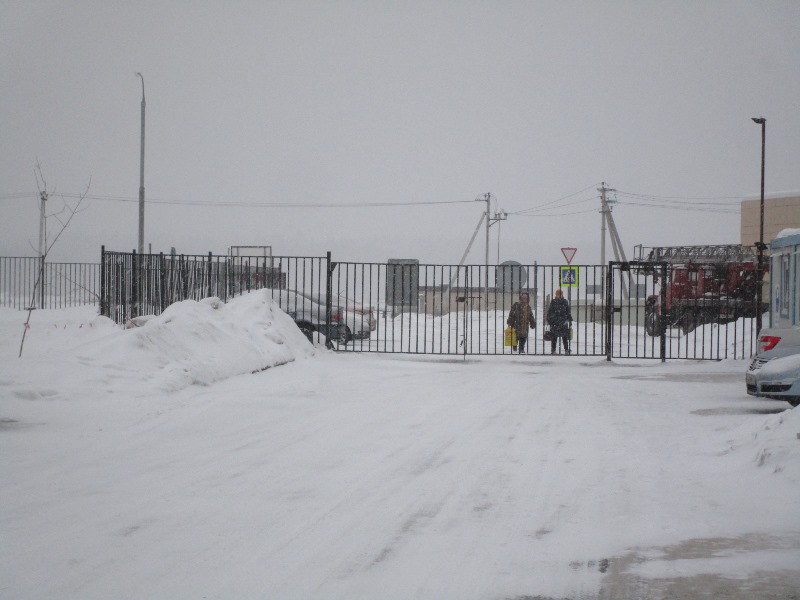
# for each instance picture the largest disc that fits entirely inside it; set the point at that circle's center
(73, 210)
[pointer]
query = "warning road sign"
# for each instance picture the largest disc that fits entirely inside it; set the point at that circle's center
(569, 254)
(568, 276)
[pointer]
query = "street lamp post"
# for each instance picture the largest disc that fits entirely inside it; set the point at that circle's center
(761, 246)
(141, 177)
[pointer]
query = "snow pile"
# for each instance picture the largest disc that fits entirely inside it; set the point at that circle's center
(203, 342)
(777, 443)
(190, 343)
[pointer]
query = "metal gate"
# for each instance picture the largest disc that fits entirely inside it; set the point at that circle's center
(449, 309)
(659, 310)
(406, 307)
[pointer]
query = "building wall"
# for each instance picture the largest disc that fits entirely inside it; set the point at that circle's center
(779, 214)
(785, 282)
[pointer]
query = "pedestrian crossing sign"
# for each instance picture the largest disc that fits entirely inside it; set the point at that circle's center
(569, 276)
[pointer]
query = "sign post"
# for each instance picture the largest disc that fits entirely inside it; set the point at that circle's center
(569, 275)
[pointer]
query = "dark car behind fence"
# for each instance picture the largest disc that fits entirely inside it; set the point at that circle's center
(619, 311)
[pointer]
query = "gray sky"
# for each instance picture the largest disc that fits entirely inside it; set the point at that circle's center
(251, 103)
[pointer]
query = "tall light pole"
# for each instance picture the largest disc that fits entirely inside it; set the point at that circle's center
(141, 177)
(761, 246)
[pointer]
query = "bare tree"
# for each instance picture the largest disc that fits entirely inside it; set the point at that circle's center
(64, 217)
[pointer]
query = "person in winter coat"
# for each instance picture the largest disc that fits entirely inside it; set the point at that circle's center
(521, 319)
(559, 319)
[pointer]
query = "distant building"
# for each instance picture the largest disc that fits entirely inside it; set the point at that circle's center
(779, 213)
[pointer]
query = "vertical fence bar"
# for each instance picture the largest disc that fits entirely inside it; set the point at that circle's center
(662, 321)
(208, 275)
(328, 299)
(609, 310)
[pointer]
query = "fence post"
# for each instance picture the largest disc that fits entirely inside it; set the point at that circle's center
(162, 279)
(662, 321)
(330, 266)
(41, 281)
(208, 270)
(609, 308)
(135, 283)
(123, 298)
(103, 301)
(466, 307)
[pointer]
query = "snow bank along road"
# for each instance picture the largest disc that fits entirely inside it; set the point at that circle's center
(375, 476)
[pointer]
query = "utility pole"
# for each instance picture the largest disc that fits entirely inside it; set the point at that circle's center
(42, 224)
(605, 212)
(616, 243)
(141, 177)
(498, 216)
(488, 199)
(486, 273)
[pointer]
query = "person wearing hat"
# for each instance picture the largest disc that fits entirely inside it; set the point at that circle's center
(559, 319)
(521, 319)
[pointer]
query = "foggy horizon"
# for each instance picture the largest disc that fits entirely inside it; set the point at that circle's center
(330, 110)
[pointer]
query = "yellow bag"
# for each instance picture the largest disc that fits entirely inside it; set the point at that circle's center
(510, 337)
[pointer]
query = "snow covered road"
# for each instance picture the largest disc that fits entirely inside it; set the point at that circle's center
(365, 476)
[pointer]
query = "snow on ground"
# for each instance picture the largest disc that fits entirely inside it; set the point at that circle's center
(215, 453)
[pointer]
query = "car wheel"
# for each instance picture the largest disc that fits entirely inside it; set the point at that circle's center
(343, 336)
(795, 401)
(307, 330)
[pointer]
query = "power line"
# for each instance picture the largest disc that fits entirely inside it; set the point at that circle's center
(686, 203)
(731, 211)
(678, 198)
(241, 204)
(528, 212)
(544, 204)
(678, 203)
(580, 212)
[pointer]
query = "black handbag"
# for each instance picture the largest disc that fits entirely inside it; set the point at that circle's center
(548, 335)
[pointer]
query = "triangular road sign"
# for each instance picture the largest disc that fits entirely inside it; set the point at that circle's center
(569, 254)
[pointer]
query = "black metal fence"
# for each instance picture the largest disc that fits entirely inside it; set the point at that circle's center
(622, 310)
(145, 284)
(659, 310)
(27, 282)
(616, 310)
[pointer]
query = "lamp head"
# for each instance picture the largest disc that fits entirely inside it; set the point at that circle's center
(759, 120)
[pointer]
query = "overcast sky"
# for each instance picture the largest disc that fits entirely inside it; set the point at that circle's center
(343, 103)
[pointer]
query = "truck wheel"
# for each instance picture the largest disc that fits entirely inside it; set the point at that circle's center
(651, 320)
(689, 321)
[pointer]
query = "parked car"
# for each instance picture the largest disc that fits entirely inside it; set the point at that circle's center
(778, 379)
(359, 320)
(775, 370)
(308, 311)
